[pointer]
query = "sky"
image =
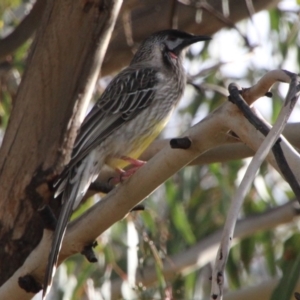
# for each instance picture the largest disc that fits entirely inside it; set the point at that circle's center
(227, 46)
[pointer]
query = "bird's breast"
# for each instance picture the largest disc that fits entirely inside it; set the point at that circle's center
(134, 141)
(132, 138)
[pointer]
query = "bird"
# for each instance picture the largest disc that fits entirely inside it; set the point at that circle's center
(129, 115)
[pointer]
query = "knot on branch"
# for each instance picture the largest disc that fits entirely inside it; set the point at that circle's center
(139, 207)
(29, 284)
(48, 217)
(89, 253)
(180, 143)
(101, 187)
(269, 94)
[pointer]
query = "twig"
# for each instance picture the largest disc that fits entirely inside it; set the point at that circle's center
(126, 18)
(237, 99)
(207, 7)
(209, 86)
(173, 14)
(250, 8)
(222, 255)
(225, 8)
(286, 170)
(264, 129)
(262, 87)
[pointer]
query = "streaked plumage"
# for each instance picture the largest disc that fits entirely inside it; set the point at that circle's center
(129, 115)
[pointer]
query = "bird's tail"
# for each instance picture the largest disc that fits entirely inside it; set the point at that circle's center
(69, 196)
(74, 190)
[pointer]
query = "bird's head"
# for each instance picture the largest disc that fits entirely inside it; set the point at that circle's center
(166, 46)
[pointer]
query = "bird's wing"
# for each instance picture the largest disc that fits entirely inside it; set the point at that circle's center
(127, 94)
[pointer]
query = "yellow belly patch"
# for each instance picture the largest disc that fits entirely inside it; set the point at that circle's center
(139, 145)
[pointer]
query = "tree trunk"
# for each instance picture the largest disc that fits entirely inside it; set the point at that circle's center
(61, 72)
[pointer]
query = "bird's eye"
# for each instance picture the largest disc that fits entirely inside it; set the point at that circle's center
(172, 38)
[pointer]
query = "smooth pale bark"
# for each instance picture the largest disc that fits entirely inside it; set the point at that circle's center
(212, 131)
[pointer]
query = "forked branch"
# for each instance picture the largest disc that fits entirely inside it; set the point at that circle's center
(210, 133)
(262, 152)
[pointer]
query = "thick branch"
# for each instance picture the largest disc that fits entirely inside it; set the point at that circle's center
(209, 133)
(228, 152)
(234, 150)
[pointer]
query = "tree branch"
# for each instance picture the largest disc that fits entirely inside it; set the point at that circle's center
(209, 133)
(204, 251)
(223, 153)
(263, 290)
(238, 198)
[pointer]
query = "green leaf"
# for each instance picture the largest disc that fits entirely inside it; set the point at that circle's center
(267, 240)
(290, 276)
(233, 269)
(189, 285)
(274, 19)
(247, 249)
(182, 223)
(149, 221)
(290, 269)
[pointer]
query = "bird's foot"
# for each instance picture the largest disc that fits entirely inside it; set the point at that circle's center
(125, 174)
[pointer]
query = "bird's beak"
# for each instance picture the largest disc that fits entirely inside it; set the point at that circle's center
(189, 41)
